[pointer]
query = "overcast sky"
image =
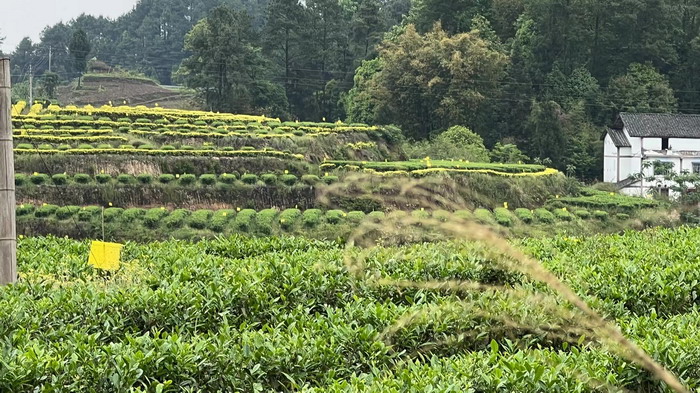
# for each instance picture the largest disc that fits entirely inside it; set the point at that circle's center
(19, 19)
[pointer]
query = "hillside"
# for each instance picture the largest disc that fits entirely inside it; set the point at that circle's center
(101, 89)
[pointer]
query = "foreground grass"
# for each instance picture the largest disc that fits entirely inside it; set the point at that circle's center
(282, 314)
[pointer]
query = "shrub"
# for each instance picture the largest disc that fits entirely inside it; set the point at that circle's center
(244, 219)
(133, 214)
(442, 215)
(420, 214)
(334, 216)
(503, 216)
(104, 146)
(269, 179)
(289, 179)
(146, 147)
(88, 212)
(249, 178)
(524, 215)
(582, 213)
(166, 178)
(125, 179)
(85, 146)
(176, 219)
(484, 216)
(59, 179)
(208, 179)
(622, 216)
(103, 178)
(167, 147)
(289, 217)
(310, 179)
(227, 178)
(311, 217)
(65, 212)
(220, 218)
(356, 216)
(376, 216)
(82, 178)
(563, 215)
(601, 215)
(145, 178)
(464, 215)
(113, 213)
(330, 179)
(24, 146)
(199, 219)
(544, 216)
(21, 179)
(39, 178)
(24, 210)
(47, 146)
(45, 210)
(153, 217)
(265, 220)
(187, 179)
(63, 147)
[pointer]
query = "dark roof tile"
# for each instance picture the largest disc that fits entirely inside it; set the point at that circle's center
(619, 138)
(660, 125)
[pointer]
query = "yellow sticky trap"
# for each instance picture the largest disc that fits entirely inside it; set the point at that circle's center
(105, 256)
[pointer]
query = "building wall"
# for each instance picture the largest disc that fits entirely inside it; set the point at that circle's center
(609, 160)
(684, 144)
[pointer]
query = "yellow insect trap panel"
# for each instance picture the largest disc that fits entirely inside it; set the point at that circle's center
(105, 256)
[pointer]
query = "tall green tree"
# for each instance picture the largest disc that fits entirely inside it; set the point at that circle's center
(226, 66)
(432, 81)
(79, 49)
(641, 89)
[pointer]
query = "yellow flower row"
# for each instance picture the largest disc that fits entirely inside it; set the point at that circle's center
(429, 171)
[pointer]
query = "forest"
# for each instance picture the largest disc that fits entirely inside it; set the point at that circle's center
(545, 75)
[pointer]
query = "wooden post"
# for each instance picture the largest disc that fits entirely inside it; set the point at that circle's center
(8, 234)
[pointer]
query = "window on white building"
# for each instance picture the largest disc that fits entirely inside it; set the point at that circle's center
(696, 167)
(664, 143)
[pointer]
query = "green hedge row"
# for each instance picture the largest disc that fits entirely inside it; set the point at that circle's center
(271, 179)
(269, 221)
(414, 165)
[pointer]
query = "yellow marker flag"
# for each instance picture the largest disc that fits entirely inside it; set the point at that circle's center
(105, 256)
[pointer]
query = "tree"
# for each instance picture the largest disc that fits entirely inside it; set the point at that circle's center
(226, 67)
(79, 49)
(507, 153)
(641, 89)
(430, 82)
(49, 82)
(457, 142)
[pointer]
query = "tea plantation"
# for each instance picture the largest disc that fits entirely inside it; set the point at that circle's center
(235, 275)
(283, 314)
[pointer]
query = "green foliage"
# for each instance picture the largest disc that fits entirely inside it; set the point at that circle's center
(199, 219)
(125, 179)
(187, 179)
(508, 154)
(544, 216)
(269, 179)
(176, 218)
(524, 215)
(166, 178)
(249, 178)
(21, 179)
(289, 179)
(642, 89)
(103, 178)
(334, 216)
(289, 217)
(227, 178)
(456, 143)
(220, 219)
(244, 219)
(265, 221)
(39, 179)
(144, 178)
(154, 216)
(311, 217)
(82, 178)
(601, 215)
(504, 217)
(484, 216)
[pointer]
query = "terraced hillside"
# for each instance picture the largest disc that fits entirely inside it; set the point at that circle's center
(198, 174)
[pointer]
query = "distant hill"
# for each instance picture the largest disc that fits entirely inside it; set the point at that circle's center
(100, 89)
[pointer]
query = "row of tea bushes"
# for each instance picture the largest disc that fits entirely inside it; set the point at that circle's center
(283, 314)
(270, 179)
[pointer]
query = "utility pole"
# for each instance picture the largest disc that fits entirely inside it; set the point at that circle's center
(50, 58)
(8, 231)
(31, 87)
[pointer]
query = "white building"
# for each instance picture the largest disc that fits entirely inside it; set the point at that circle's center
(636, 138)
